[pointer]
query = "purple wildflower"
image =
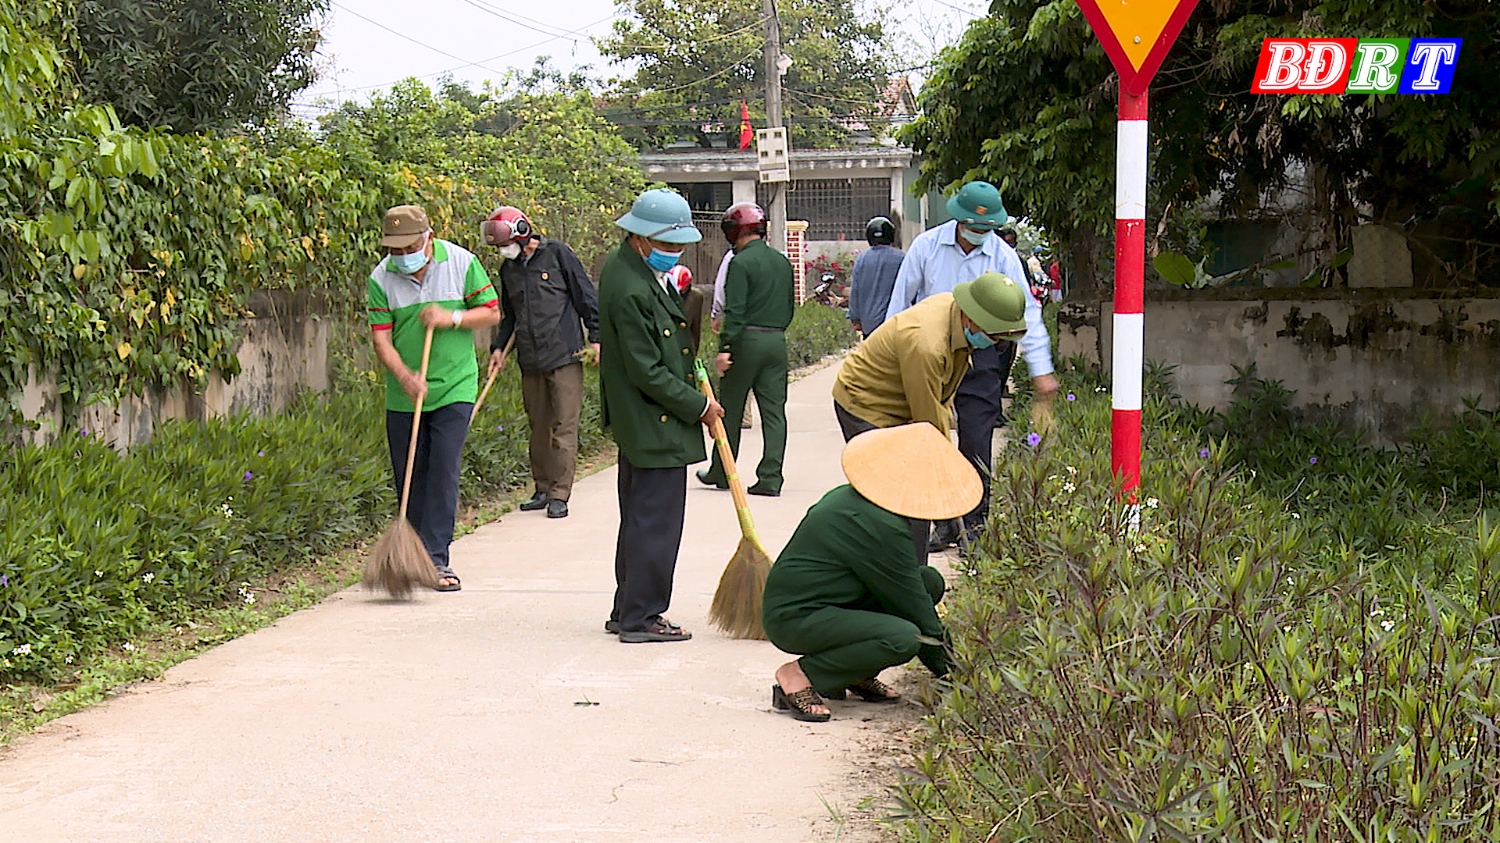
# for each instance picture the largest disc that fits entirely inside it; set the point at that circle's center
(1203, 453)
(260, 453)
(1033, 439)
(249, 475)
(1313, 461)
(83, 431)
(500, 428)
(1072, 397)
(4, 580)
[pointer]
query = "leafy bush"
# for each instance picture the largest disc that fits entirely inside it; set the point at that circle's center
(817, 331)
(1233, 670)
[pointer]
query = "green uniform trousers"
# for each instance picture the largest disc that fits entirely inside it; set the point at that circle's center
(841, 646)
(759, 364)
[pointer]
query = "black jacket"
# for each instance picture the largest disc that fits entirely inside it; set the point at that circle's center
(549, 302)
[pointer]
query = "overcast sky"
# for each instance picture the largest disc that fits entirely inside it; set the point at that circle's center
(371, 43)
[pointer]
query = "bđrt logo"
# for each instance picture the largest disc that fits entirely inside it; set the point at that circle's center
(1356, 65)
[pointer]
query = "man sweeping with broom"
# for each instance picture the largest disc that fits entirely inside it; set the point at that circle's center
(426, 297)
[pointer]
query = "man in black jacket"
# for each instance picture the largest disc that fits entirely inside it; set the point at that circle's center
(551, 310)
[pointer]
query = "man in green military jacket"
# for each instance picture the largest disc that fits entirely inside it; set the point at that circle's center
(652, 404)
(847, 593)
(759, 298)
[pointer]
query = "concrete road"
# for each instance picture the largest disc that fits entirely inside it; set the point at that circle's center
(499, 713)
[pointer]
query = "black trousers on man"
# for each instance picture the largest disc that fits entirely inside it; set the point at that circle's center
(434, 478)
(978, 402)
(653, 504)
(851, 426)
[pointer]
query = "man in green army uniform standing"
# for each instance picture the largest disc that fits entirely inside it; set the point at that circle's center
(846, 593)
(652, 404)
(759, 298)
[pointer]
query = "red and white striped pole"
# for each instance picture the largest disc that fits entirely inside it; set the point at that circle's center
(1130, 296)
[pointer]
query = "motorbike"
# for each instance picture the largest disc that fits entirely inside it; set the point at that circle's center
(829, 292)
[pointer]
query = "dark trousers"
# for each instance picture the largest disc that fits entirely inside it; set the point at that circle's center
(653, 503)
(553, 400)
(760, 364)
(434, 479)
(841, 646)
(852, 426)
(978, 402)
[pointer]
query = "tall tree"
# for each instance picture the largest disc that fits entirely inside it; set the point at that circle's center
(694, 61)
(197, 65)
(1027, 99)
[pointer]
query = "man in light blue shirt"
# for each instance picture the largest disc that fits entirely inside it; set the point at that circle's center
(943, 257)
(874, 276)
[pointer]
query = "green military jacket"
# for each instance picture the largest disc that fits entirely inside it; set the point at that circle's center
(759, 289)
(647, 384)
(851, 554)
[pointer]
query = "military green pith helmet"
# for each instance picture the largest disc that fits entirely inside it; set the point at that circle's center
(663, 215)
(978, 204)
(995, 303)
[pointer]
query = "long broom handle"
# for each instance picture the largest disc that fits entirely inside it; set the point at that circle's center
(416, 421)
(491, 382)
(731, 471)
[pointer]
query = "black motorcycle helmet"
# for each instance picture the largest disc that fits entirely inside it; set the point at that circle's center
(880, 232)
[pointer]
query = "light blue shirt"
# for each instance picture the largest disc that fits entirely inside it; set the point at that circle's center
(936, 264)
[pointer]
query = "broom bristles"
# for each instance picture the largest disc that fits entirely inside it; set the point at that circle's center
(737, 603)
(399, 561)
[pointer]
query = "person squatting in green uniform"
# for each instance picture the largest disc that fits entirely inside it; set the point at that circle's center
(847, 594)
(759, 298)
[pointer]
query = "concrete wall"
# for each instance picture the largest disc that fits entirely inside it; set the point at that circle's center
(1374, 359)
(283, 351)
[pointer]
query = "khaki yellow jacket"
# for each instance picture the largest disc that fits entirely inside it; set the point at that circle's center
(909, 369)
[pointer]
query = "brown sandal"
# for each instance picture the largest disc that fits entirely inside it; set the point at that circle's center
(872, 690)
(799, 703)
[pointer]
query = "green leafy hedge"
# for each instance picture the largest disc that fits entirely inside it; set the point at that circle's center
(1251, 664)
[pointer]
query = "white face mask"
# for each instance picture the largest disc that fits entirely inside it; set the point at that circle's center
(510, 251)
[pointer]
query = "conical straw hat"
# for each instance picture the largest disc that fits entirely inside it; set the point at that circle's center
(912, 470)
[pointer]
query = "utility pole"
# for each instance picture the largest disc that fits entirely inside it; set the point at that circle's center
(777, 209)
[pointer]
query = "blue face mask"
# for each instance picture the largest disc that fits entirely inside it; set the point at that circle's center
(977, 339)
(975, 238)
(662, 261)
(408, 264)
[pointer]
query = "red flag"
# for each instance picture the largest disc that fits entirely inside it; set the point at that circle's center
(747, 134)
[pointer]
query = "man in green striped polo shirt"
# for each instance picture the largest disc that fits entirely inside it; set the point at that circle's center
(426, 282)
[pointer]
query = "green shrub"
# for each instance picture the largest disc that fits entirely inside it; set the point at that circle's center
(1233, 670)
(817, 331)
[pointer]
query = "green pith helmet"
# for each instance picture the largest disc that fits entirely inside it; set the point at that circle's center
(663, 215)
(995, 303)
(978, 204)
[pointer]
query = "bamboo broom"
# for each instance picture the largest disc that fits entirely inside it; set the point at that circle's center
(489, 383)
(737, 603)
(399, 560)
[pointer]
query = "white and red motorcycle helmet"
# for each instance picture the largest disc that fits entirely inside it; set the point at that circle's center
(505, 226)
(681, 277)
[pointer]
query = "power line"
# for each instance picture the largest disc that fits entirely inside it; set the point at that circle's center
(710, 76)
(517, 20)
(506, 54)
(406, 37)
(695, 42)
(969, 12)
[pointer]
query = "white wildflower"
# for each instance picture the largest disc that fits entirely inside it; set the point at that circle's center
(1152, 503)
(23, 650)
(1072, 472)
(1140, 548)
(1297, 516)
(1069, 487)
(128, 647)
(98, 573)
(148, 577)
(1388, 625)
(1376, 612)
(67, 659)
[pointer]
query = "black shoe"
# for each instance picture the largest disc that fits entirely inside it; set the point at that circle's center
(763, 491)
(612, 627)
(659, 631)
(557, 509)
(703, 477)
(538, 501)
